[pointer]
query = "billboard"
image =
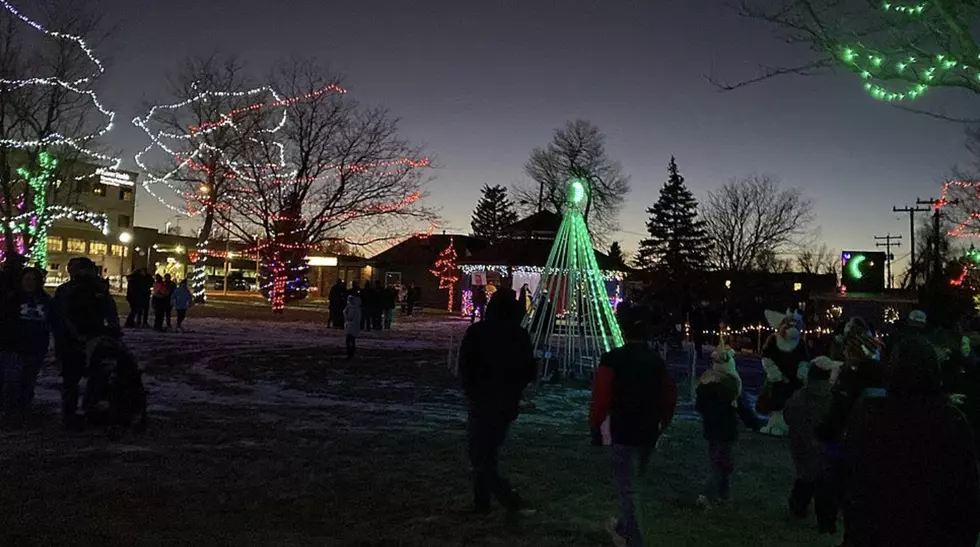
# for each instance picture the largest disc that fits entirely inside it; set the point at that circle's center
(863, 271)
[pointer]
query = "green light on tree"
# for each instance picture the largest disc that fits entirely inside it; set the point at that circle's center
(571, 321)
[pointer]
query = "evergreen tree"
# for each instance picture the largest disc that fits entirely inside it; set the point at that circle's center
(616, 254)
(493, 213)
(678, 242)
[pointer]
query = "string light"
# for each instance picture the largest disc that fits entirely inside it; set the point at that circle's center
(447, 271)
(505, 271)
(81, 86)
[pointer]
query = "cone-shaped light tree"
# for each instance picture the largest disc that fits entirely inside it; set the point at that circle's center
(571, 320)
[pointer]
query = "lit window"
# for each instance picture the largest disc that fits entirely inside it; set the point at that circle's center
(117, 250)
(797, 286)
(55, 244)
(97, 248)
(125, 195)
(76, 245)
(728, 283)
(98, 189)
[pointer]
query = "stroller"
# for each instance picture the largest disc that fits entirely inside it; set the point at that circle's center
(114, 394)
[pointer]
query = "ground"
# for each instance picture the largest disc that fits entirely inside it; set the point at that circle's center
(261, 434)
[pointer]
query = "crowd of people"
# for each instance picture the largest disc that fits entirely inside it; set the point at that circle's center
(159, 293)
(880, 431)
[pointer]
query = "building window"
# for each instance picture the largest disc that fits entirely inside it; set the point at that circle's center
(125, 221)
(116, 250)
(55, 244)
(76, 245)
(125, 195)
(98, 189)
(97, 248)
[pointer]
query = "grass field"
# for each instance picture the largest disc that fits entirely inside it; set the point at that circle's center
(262, 435)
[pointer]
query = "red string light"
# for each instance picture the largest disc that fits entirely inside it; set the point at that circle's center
(225, 118)
(446, 269)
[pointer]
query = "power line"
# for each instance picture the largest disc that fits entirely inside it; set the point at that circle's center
(889, 241)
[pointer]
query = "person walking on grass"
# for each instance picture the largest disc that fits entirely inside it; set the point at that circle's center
(182, 301)
(161, 299)
(814, 477)
(496, 363)
(352, 320)
(633, 401)
(911, 461)
(719, 394)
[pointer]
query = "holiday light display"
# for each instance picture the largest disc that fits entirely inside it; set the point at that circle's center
(28, 216)
(916, 66)
(466, 305)
(571, 321)
(447, 271)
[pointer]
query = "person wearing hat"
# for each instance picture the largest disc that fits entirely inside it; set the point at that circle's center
(718, 397)
(633, 401)
(911, 461)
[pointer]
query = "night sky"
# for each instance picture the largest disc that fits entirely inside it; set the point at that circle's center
(482, 83)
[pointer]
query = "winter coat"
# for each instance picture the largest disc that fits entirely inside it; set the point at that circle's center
(171, 287)
(352, 316)
(912, 476)
(803, 413)
(160, 291)
(182, 298)
(83, 309)
(633, 390)
(33, 325)
(338, 297)
(856, 381)
(496, 363)
(717, 403)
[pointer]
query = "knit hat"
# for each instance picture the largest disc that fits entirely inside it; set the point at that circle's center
(917, 318)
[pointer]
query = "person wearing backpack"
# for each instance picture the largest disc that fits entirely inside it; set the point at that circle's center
(83, 310)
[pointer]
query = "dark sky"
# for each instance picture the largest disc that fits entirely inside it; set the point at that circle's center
(481, 83)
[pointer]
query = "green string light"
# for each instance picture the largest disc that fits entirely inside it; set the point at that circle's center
(36, 225)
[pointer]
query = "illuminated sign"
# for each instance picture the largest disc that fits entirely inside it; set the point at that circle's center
(115, 178)
(322, 260)
(863, 272)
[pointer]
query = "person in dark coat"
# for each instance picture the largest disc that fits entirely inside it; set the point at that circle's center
(911, 461)
(369, 303)
(496, 363)
(633, 401)
(146, 293)
(33, 330)
(814, 479)
(718, 396)
(168, 305)
(390, 302)
(338, 301)
(479, 303)
(134, 284)
(83, 310)
(412, 298)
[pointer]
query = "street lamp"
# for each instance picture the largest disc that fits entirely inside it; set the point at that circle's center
(125, 238)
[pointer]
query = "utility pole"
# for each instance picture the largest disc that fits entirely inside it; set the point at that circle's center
(936, 205)
(911, 211)
(888, 241)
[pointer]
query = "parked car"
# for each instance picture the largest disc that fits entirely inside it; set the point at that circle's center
(235, 282)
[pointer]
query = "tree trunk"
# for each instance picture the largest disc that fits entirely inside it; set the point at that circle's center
(199, 276)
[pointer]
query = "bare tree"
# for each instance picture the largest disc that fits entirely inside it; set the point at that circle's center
(750, 217)
(337, 171)
(817, 260)
(196, 141)
(898, 49)
(576, 150)
(50, 116)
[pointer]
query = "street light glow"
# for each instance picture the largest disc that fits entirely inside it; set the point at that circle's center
(125, 238)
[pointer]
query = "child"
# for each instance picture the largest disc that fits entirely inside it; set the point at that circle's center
(182, 301)
(718, 396)
(814, 480)
(352, 319)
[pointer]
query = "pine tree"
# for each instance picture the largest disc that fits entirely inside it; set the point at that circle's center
(616, 254)
(493, 213)
(678, 242)
(446, 269)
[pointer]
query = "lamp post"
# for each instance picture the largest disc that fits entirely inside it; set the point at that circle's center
(125, 238)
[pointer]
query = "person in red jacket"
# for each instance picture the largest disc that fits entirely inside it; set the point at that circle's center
(633, 401)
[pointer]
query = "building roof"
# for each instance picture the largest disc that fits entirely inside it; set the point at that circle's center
(425, 249)
(528, 252)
